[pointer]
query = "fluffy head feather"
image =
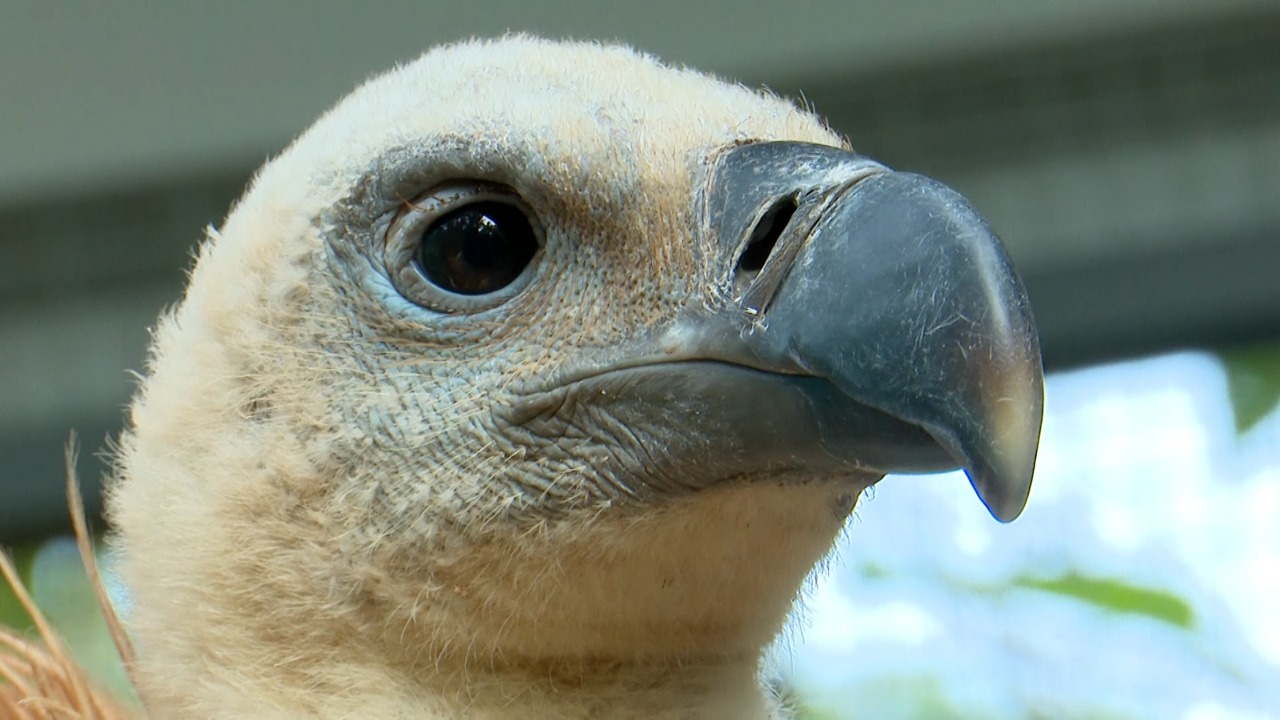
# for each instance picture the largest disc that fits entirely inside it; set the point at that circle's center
(319, 509)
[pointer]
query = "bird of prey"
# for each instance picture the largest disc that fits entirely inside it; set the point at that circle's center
(532, 381)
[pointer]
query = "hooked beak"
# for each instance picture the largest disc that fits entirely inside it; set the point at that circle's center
(894, 290)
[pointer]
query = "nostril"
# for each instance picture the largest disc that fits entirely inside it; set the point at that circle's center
(765, 235)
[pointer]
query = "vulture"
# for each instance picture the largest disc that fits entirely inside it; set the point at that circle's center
(532, 381)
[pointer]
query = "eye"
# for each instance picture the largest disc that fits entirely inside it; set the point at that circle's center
(463, 247)
(477, 249)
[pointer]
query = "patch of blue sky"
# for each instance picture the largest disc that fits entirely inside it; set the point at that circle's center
(1143, 579)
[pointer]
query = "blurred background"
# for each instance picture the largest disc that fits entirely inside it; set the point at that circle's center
(1128, 152)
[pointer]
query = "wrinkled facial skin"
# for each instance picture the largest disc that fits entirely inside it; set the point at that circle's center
(318, 462)
(613, 265)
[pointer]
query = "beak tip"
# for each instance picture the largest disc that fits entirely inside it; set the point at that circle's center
(1005, 497)
(1003, 475)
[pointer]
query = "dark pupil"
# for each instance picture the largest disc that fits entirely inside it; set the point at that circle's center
(477, 249)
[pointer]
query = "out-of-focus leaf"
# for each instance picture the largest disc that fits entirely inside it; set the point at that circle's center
(911, 697)
(1253, 382)
(11, 613)
(65, 596)
(872, 571)
(794, 703)
(1116, 596)
(54, 576)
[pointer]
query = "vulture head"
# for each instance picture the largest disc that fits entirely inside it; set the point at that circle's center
(532, 381)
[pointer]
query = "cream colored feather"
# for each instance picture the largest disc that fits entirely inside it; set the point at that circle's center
(306, 500)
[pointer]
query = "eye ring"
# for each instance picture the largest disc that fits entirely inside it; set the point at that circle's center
(463, 247)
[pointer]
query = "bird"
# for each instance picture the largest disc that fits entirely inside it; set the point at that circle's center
(532, 381)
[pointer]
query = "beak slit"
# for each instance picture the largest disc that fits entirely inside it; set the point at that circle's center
(764, 236)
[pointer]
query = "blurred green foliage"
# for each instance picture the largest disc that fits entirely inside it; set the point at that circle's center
(11, 612)
(1253, 382)
(55, 577)
(912, 697)
(1116, 596)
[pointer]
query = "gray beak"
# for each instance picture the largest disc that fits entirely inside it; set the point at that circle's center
(893, 290)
